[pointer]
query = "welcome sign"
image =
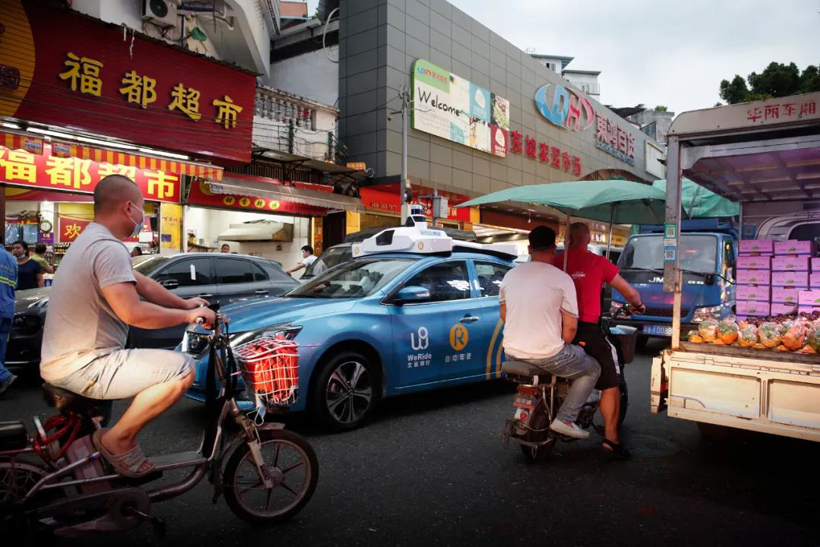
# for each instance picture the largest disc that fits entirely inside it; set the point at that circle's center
(456, 109)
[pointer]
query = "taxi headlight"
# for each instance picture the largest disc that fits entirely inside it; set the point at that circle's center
(702, 314)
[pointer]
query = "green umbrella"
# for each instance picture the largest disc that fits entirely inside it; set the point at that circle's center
(698, 202)
(612, 201)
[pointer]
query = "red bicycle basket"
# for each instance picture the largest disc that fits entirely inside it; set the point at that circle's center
(270, 368)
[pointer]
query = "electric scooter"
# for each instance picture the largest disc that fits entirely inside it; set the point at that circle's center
(54, 481)
(539, 395)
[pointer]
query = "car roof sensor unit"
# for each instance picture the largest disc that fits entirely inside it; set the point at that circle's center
(413, 238)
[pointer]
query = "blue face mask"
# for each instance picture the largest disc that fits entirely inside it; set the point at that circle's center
(137, 225)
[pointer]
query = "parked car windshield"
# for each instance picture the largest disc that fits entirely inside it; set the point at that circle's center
(147, 264)
(698, 253)
(355, 279)
(330, 258)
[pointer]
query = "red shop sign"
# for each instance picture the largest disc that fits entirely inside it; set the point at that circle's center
(388, 202)
(22, 168)
(84, 74)
(201, 195)
(71, 227)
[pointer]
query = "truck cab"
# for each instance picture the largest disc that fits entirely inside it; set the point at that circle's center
(707, 259)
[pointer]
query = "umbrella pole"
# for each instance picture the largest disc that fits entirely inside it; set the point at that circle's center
(611, 220)
(566, 240)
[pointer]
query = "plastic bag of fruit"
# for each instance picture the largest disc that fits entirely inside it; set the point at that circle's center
(747, 336)
(708, 330)
(727, 331)
(694, 337)
(769, 334)
(813, 336)
(793, 339)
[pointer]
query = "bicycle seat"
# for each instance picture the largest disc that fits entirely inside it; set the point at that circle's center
(66, 400)
(528, 370)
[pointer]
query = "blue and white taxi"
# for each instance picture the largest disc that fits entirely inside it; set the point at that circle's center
(414, 310)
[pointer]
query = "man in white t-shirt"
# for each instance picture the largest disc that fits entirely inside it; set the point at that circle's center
(540, 311)
(308, 258)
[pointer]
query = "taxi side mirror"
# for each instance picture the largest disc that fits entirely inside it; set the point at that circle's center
(411, 295)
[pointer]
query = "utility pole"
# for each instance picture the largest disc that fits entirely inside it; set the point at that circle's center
(405, 107)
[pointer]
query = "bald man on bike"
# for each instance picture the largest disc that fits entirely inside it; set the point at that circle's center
(95, 297)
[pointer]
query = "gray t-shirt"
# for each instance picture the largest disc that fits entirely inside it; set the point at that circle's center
(80, 324)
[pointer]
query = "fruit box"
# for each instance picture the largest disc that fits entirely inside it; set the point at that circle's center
(814, 280)
(762, 246)
(784, 309)
(790, 279)
(807, 309)
(815, 264)
(754, 277)
(790, 263)
(755, 292)
(794, 247)
(754, 262)
(752, 307)
(784, 295)
(809, 298)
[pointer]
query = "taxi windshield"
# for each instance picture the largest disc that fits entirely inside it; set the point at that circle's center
(355, 279)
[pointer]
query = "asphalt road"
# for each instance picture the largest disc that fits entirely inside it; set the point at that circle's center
(431, 470)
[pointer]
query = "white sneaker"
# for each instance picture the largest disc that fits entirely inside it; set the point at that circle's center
(569, 430)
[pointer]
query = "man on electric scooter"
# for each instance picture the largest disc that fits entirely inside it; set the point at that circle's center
(540, 311)
(589, 272)
(95, 296)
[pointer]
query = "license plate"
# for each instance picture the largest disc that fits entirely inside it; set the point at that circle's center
(522, 401)
(657, 330)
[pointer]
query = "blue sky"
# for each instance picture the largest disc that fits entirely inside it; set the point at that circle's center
(670, 53)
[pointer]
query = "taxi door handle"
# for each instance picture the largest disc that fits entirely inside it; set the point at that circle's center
(205, 295)
(469, 319)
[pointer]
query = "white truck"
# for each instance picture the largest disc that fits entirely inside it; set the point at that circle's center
(766, 156)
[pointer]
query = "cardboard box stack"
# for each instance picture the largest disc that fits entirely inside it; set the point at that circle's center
(790, 277)
(754, 278)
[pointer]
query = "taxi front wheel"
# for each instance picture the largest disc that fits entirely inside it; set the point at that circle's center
(345, 391)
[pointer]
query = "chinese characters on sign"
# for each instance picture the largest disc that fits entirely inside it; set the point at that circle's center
(201, 194)
(81, 175)
(615, 141)
(85, 75)
(543, 152)
(786, 111)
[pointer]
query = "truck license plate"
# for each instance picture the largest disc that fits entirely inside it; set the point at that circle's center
(657, 330)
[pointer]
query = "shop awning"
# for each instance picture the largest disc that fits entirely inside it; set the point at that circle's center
(305, 196)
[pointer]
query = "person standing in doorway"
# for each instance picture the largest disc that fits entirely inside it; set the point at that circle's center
(8, 282)
(308, 258)
(29, 271)
(589, 272)
(39, 257)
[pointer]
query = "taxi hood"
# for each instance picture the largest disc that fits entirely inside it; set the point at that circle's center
(257, 314)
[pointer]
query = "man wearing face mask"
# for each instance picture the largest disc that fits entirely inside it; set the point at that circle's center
(94, 298)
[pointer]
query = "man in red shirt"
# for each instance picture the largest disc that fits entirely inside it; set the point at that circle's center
(589, 272)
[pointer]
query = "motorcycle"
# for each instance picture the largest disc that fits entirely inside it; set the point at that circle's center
(55, 482)
(539, 395)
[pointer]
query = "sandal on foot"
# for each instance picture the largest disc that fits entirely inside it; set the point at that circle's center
(617, 450)
(132, 464)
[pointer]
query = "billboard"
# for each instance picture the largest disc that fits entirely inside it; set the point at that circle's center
(450, 107)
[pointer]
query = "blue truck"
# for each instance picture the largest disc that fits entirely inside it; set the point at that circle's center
(708, 251)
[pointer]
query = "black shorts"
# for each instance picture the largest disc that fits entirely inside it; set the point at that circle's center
(592, 339)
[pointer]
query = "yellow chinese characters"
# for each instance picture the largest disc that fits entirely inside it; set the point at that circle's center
(138, 89)
(68, 172)
(18, 165)
(72, 231)
(227, 112)
(86, 71)
(186, 99)
(106, 169)
(160, 184)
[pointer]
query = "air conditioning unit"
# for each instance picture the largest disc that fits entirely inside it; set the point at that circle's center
(160, 12)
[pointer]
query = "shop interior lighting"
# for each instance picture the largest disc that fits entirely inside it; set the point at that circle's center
(163, 153)
(9, 125)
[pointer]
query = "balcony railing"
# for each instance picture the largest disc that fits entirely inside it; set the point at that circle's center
(286, 123)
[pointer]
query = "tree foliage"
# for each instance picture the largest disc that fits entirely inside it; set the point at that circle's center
(776, 80)
(661, 108)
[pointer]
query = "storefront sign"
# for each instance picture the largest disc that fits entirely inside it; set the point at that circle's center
(455, 109)
(383, 201)
(71, 228)
(170, 227)
(543, 152)
(21, 168)
(566, 109)
(201, 195)
(615, 141)
(92, 76)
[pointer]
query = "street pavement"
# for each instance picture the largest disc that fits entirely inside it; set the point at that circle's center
(431, 470)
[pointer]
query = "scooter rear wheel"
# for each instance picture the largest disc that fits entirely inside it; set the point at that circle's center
(292, 465)
(540, 432)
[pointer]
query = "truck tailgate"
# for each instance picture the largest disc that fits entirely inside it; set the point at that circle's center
(756, 393)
